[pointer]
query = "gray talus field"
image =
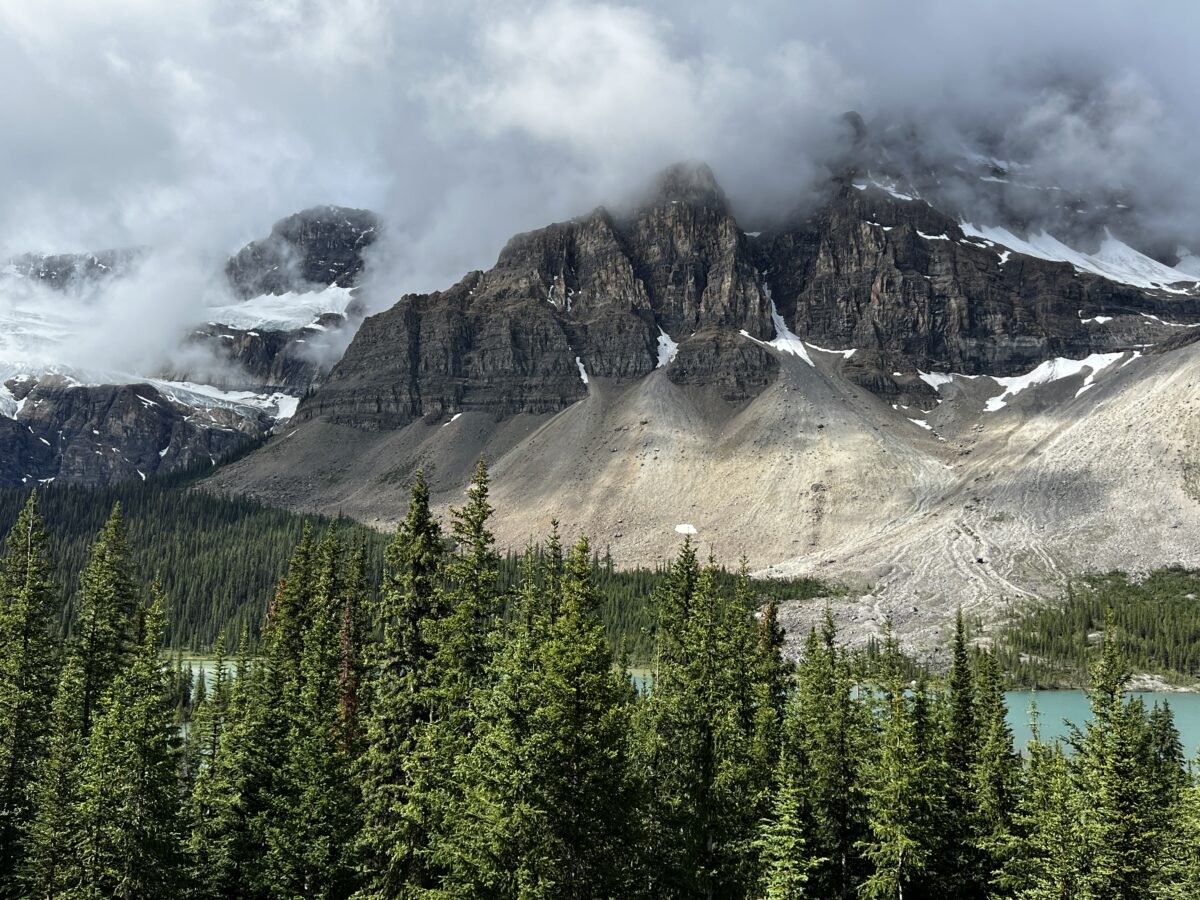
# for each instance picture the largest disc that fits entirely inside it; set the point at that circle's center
(813, 476)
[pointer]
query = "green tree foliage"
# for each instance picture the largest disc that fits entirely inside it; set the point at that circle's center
(787, 863)
(106, 617)
(697, 738)
(51, 853)
(903, 797)
(130, 834)
(28, 674)
(473, 732)
(315, 814)
(826, 743)
(401, 696)
(549, 803)
(1056, 644)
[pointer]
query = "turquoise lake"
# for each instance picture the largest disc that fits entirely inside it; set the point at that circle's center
(1055, 706)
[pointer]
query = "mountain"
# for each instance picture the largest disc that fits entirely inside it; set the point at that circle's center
(291, 293)
(72, 271)
(935, 410)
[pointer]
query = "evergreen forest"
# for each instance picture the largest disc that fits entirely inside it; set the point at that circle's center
(452, 732)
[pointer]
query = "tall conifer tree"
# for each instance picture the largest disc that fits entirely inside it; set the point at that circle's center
(28, 673)
(129, 808)
(401, 697)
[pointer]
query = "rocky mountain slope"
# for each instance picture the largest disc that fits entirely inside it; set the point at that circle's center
(875, 391)
(291, 292)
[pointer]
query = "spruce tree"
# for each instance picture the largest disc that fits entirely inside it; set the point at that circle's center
(226, 841)
(401, 697)
(51, 842)
(203, 750)
(995, 775)
(463, 640)
(696, 739)
(29, 657)
(902, 796)
(787, 863)
(825, 746)
(105, 620)
(549, 805)
(1112, 767)
(313, 827)
(1043, 858)
(129, 805)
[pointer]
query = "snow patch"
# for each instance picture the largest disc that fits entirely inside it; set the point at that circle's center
(845, 354)
(685, 528)
(204, 396)
(282, 312)
(667, 349)
(582, 371)
(452, 419)
(1115, 260)
(1168, 324)
(889, 187)
(936, 379)
(1051, 370)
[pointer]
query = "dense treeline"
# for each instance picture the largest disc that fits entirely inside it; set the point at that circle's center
(439, 738)
(1054, 644)
(219, 557)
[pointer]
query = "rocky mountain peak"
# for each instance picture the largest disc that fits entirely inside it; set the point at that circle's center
(691, 183)
(312, 249)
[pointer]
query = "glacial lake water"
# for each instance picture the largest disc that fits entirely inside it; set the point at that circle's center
(1053, 708)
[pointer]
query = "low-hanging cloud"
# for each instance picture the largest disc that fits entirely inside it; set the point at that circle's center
(192, 126)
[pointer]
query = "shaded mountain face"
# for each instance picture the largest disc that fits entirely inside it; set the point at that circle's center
(95, 434)
(676, 283)
(314, 248)
(600, 296)
(906, 287)
(311, 260)
(295, 290)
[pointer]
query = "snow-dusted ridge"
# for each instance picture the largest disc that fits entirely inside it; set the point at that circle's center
(203, 396)
(1115, 260)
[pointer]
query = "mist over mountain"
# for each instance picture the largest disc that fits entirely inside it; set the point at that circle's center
(788, 251)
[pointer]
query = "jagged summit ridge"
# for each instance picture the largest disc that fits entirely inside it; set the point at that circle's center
(317, 247)
(873, 270)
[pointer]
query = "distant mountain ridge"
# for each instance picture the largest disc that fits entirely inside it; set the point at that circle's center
(295, 286)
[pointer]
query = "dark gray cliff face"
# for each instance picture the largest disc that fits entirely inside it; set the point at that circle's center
(100, 434)
(265, 361)
(317, 247)
(312, 250)
(894, 279)
(900, 282)
(597, 289)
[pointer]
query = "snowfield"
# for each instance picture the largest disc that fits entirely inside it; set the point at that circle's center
(1115, 260)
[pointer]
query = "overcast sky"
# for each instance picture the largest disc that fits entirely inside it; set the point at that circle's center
(194, 124)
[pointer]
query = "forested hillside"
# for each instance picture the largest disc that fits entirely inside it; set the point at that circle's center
(1053, 644)
(435, 738)
(218, 559)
